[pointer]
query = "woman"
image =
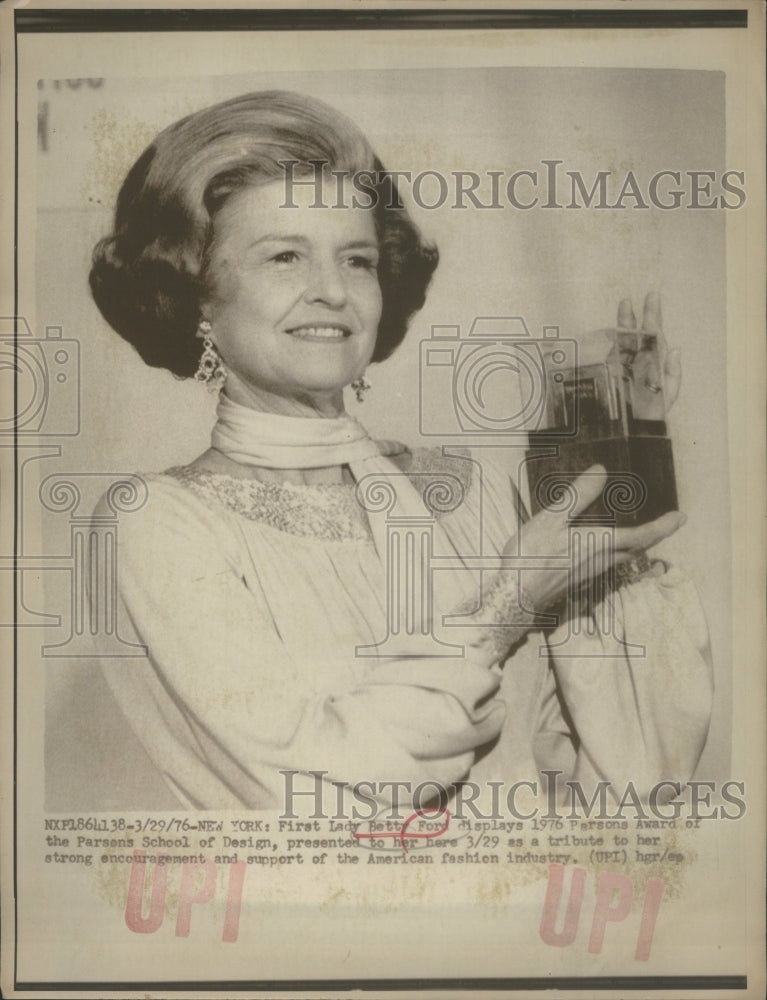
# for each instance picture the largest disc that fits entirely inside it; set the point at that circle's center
(256, 577)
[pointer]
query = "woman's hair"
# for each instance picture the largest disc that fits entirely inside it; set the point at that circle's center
(148, 277)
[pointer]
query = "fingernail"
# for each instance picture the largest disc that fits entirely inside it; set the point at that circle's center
(682, 519)
(625, 312)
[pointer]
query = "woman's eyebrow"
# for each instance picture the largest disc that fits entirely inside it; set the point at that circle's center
(303, 240)
(279, 238)
(361, 245)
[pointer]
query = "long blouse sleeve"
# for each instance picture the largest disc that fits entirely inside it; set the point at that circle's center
(631, 688)
(621, 695)
(222, 704)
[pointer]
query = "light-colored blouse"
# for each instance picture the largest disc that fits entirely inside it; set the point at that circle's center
(253, 599)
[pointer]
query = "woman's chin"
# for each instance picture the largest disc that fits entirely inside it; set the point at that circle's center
(331, 385)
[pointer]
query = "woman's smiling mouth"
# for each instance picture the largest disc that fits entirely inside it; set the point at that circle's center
(320, 332)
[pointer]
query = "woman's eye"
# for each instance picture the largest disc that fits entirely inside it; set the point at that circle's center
(285, 257)
(365, 263)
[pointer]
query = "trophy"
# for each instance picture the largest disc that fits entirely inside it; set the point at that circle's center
(609, 409)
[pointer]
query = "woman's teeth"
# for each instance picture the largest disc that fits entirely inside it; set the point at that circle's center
(319, 333)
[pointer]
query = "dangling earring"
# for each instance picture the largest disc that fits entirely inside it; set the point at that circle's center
(210, 371)
(361, 386)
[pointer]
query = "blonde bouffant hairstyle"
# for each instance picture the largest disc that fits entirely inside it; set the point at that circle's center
(149, 276)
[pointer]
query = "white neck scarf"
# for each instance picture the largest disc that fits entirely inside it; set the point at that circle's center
(271, 441)
(393, 506)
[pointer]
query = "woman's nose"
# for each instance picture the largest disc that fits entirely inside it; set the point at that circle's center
(326, 284)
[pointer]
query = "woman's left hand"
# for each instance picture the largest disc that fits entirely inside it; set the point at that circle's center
(649, 379)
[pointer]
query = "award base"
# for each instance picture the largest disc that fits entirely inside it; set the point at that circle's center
(640, 475)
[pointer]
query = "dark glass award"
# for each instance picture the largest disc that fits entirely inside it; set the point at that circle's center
(609, 409)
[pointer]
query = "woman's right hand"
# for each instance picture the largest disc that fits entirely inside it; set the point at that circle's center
(547, 534)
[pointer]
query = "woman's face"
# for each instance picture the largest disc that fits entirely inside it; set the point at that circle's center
(295, 300)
